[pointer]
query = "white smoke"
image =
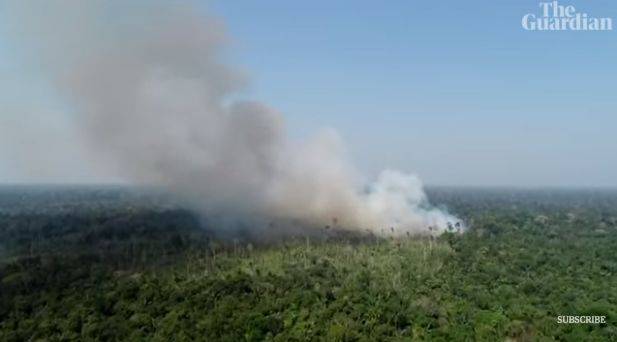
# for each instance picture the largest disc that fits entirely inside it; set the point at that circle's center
(150, 95)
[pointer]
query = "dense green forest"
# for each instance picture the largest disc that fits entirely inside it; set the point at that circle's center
(107, 263)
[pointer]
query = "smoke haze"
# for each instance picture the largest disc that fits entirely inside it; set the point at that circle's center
(149, 94)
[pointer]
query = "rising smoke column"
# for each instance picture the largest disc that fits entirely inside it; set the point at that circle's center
(149, 93)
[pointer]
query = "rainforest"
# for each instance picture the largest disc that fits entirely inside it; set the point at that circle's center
(114, 263)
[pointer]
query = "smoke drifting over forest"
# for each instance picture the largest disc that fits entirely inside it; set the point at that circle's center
(153, 97)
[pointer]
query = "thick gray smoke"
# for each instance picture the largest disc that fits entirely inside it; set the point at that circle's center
(150, 94)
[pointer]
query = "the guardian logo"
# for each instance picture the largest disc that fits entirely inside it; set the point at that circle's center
(556, 17)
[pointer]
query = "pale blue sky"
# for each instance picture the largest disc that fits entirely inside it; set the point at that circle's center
(455, 91)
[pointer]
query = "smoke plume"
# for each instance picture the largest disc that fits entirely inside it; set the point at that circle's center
(149, 93)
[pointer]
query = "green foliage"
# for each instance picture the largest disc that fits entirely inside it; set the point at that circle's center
(153, 274)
